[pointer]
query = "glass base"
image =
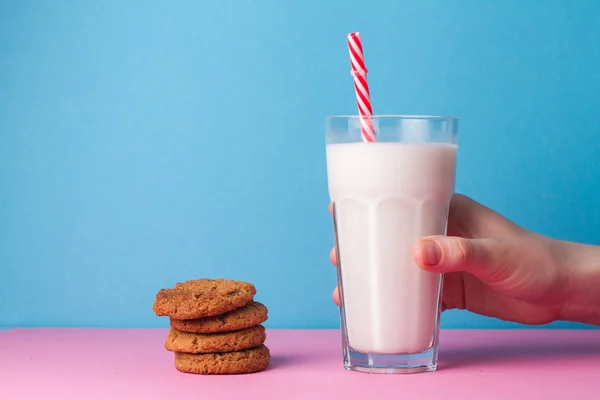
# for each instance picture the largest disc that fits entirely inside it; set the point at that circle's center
(390, 363)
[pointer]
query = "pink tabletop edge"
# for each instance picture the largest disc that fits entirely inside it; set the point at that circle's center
(132, 363)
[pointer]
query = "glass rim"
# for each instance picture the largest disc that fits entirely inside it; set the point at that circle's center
(396, 116)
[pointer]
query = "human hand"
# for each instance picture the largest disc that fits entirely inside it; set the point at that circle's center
(495, 268)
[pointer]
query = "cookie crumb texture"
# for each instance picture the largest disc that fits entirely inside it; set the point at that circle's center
(251, 314)
(185, 342)
(203, 298)
(237, 362)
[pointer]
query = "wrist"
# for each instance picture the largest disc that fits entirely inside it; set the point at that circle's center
(582, 284)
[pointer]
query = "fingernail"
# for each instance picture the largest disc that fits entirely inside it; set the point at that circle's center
(432, 253)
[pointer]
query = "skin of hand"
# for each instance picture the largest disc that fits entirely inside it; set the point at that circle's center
(495, 268)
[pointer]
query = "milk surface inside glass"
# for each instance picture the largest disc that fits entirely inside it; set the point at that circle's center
(386, 196)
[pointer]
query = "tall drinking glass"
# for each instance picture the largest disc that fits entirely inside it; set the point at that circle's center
(386, 195)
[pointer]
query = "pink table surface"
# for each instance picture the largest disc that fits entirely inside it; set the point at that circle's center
(132, 364)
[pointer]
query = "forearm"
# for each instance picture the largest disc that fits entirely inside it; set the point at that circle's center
(583, 285)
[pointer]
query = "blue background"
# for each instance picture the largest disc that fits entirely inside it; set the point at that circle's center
(148, 142)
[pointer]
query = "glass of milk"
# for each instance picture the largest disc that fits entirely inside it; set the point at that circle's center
(386, 195)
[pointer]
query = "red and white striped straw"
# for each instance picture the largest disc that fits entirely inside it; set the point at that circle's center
(363, 97)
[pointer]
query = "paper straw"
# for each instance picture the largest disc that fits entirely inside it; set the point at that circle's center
(361, 87)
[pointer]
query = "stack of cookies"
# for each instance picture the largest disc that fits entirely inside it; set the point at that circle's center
(215, 326)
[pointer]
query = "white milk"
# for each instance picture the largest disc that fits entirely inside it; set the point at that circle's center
(386, 196)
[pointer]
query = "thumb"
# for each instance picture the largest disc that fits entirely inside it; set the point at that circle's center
(487, 259)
